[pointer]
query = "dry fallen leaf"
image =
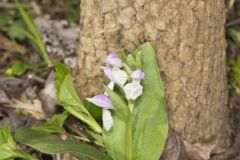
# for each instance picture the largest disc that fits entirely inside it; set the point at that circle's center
(47, 96)
(29, 107)
(4, 98)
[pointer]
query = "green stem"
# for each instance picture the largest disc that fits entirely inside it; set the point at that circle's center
(44, 54)
(131, 106)
(129, 139)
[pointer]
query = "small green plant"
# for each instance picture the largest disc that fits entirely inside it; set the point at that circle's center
(33, 34)
(22, 28)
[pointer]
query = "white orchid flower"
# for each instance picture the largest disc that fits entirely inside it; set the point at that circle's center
(119, 76)
(137, 75)
(114, 60)
(134, 89)
(108, 72)
(104, 102)
(113, 71)
(107, 119)
(115, 75)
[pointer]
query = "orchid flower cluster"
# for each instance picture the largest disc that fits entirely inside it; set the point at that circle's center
(128, 80)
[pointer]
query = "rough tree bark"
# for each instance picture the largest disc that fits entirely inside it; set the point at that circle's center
(188, 36)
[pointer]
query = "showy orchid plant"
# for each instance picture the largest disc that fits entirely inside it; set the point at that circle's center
(134, 117)
(128, 80)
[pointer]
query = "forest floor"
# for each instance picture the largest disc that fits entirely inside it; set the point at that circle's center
(27, 96)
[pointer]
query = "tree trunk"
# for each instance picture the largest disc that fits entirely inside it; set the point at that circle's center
(188, 37)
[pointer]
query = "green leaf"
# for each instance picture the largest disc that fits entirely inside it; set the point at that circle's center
(61, 72)
(123, 56)
(150, 124)
(138, 59)
(28, 21)
(53, 125)
(34, 34)
(119, 104)
(17, 69)
(131, 62)
(8, 148)
(98, 139)
(115, 140)
(68, 98)
(13, 31)
(94, 110)
(28, 35)
(49, 144)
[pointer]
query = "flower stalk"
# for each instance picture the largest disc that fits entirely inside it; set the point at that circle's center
(129, 139)
(131, 105)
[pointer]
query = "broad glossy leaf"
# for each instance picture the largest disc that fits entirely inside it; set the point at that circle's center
(150, 124)
(49, 144)
(115, 140)
(53, 125)
(68, 98)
